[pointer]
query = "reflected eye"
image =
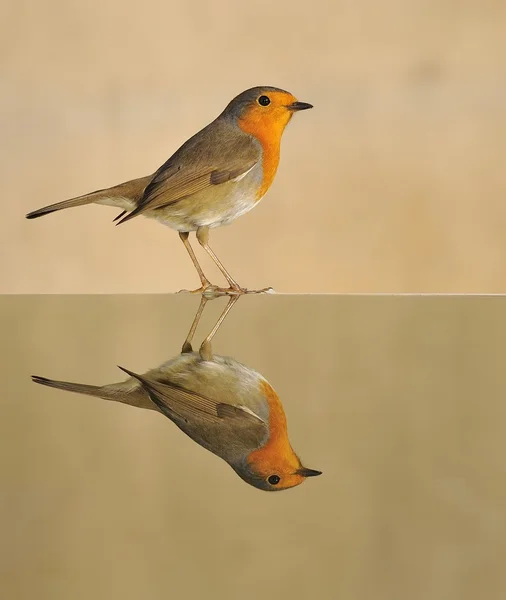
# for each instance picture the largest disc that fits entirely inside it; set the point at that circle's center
(264, 101)
(274, 480)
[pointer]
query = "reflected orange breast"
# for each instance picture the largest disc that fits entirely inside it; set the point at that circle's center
(277, 446)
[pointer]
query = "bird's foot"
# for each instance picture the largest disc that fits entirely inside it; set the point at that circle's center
(235, 290)
(213, 291)
(267, 290)
(210, 291)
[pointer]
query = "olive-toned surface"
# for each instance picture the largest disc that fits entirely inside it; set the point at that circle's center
(398, 400)
(394, 182)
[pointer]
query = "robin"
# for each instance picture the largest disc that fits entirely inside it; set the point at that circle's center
(223, 405)
(219, 174)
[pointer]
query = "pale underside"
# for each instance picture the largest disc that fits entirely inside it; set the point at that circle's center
(207, 208)
(213, 207)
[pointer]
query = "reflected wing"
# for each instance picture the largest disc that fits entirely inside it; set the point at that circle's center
(174, 401)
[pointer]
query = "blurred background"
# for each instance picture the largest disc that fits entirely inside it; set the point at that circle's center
(395, 182)
(398, 400)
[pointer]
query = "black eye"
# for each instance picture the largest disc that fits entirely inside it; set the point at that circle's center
(273, 480)
(264, 101)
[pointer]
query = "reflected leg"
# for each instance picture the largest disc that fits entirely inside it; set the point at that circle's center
(187, 346)
(205, 349)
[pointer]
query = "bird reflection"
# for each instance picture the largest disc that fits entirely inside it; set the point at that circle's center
(223, 405)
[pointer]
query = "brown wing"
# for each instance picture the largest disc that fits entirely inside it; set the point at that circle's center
(174, 401)
(214, 156)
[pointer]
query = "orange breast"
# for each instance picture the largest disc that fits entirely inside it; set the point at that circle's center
(268, 133)
(277, 447)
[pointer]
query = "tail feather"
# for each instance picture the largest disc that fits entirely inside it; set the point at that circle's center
(79, 201)
(124, 196)
(128, 392)
(79, 388)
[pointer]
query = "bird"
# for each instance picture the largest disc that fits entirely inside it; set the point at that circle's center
(223, 405)
(219, 174)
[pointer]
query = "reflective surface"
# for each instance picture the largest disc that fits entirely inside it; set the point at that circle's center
(400, 401)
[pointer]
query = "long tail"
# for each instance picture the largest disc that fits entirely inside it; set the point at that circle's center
(128, 392)
(125, 196)
(80, 388)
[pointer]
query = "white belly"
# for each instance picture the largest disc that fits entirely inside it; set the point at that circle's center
(214, 206)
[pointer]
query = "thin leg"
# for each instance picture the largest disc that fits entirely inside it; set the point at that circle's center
(187, 346)
(203, 238)
(203, 279)
(235, 288)
(205, 351)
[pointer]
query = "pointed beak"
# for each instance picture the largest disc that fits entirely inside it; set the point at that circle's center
(308, 472)
(299, 106)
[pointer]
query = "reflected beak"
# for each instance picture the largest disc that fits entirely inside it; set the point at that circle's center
(299, 106)
(308, 472)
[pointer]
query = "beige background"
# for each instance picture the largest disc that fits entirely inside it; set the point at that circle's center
(399, 401)
(394, 182)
